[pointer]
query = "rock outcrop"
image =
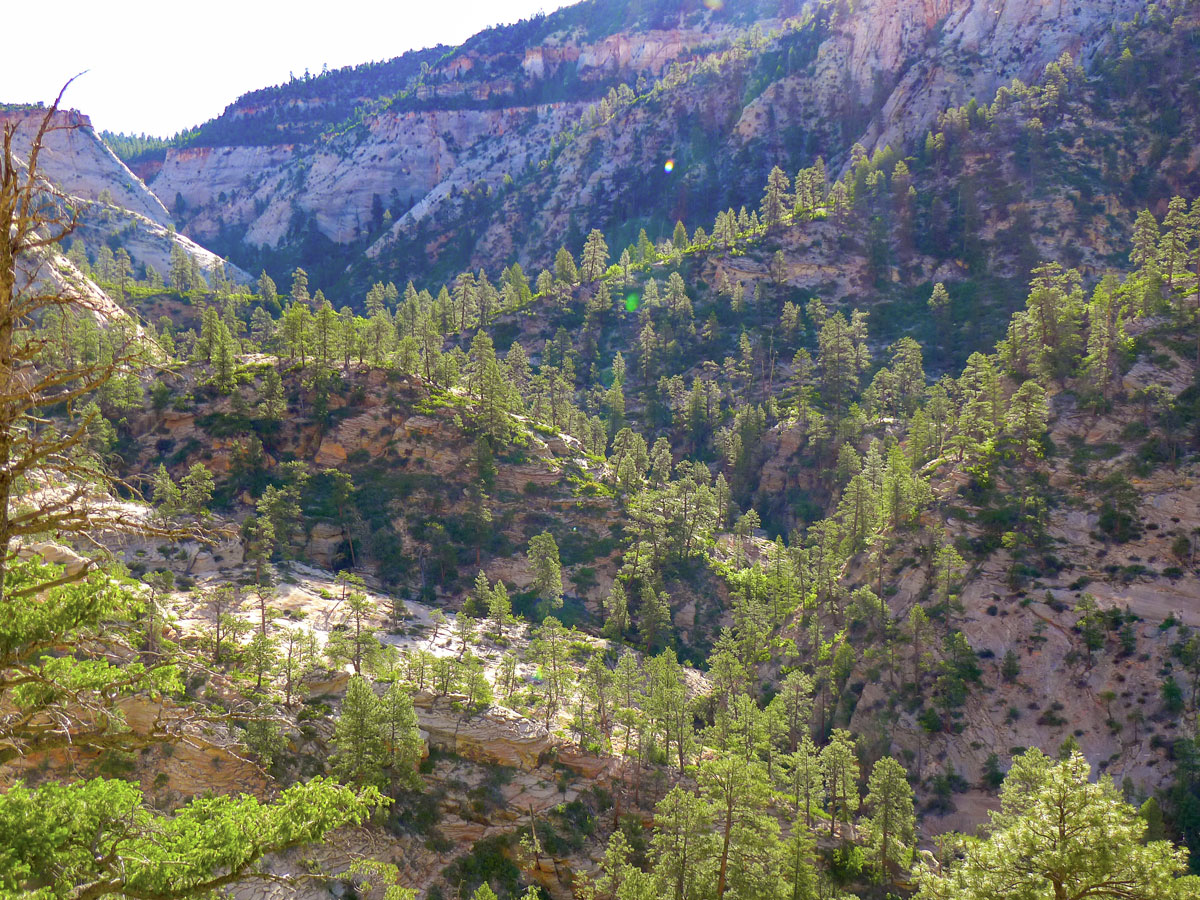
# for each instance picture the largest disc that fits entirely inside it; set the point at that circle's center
(496, 735)
(82, 165)
(115, 202)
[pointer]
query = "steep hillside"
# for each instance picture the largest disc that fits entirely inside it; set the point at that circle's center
(113, 208)
(832, 484)
(727, 94)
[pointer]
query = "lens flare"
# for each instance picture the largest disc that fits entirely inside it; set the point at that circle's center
(714, 4)
(669, 166)
(631, 303)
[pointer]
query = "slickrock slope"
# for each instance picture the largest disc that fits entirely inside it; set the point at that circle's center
(75, 159)
(114, 201)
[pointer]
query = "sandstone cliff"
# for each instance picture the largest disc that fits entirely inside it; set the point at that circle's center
(111, 202)
(879, 75)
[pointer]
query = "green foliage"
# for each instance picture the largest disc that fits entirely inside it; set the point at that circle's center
(1057, 834)
(97, 837)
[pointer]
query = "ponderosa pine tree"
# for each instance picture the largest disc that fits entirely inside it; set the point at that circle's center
(1059, 835)
(499, 608)
(1176, 238)
(401, 735)
(299, 293)
(355, 642)
(546, 568)
(840, 766)
(360, 749)
(890, 822)
(267, 291)
(775, 199)
(595, 257)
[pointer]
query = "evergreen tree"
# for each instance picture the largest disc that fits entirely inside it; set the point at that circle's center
(1145, 241)
(565, 272)
(595, 257)
(775, 200)
(360, 751)
(737, 791)
(546, 568)
(166, 494)
(499, 608)
(616, 609)
(1057, 834)
(684, 845)
(196, 488)
(840, 766)
(1176, 238)
(355, 642)
(267, 293)
(891, 822)
(679, 237)
(272, 404)
(401, 735)
(300, 287)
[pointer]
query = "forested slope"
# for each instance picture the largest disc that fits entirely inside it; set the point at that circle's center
(743, 560)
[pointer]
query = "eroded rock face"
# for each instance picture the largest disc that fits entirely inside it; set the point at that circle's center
(980, 45)
(899, 62)
(76, 161)
(408, 161)
(496, 735)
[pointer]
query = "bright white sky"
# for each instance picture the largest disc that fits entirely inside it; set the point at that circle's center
(158, 67)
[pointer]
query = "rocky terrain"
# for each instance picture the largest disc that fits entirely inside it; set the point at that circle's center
(882, 463)
(436, 155)
(112, 203)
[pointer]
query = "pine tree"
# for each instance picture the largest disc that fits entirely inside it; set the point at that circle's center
(1106, 335)
(549, 650)
(800, 879)
(300, 287)
(546, 568)
(839, 205)
(196, 488)
(775, 200)
(565, 272)
(402, 738)
(224, 359)
(891, 822)
(840, 766)
(267, 292)
(595, 257)
(1176, 238)
(654, 618)
(803, 780)
(499, 608)
(356, 642)
(684, 845)
(939, 300)
(360, 750)
(1057, 834)
(842, 357)
(1027, 417)
(616, 610)
(272, 404)
(736, 790)
(166, 494)
(1144, 254)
